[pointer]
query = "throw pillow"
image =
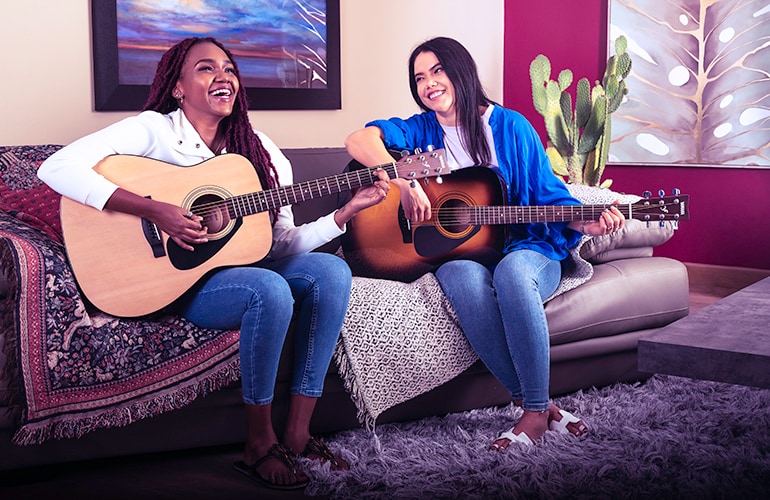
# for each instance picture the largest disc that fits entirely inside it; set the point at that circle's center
(23, 195)
(634, 235)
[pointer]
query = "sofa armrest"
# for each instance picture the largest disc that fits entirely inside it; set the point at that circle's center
(636, 239)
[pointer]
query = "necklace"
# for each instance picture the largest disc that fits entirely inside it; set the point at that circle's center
(217, 145)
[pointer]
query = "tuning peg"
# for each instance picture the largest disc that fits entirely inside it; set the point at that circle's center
(439, 180)
(429, 147)
(404, 153)
(417, 151)
(676, 192)
(412, 184)
(661, 192)
(647, 194)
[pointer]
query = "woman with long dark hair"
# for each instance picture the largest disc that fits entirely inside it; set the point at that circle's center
(196, 110)
(500, 307)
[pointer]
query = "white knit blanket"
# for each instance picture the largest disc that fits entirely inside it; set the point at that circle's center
(400, 340)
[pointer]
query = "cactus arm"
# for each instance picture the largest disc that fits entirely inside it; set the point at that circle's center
(583, 103)
(555, 125)
(558, 165)
(595, 126)
(539, 74)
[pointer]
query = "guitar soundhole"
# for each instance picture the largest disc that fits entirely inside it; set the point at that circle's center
(214, 212)
(453, 217)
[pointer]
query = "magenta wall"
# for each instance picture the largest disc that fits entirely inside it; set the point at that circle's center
(728, 225)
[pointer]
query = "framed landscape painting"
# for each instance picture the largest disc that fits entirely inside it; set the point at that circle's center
(699, 87)
(287, 51)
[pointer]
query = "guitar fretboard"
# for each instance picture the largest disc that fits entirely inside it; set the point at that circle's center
(252, 203)
(261, 201)
(527, 214)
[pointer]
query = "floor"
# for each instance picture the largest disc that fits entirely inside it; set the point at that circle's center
(201, 474)
(209, 474)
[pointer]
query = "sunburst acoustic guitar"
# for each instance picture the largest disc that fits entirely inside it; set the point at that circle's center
(470, 216)
(127, 267)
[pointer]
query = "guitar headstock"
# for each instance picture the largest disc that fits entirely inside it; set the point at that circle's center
(663, 208)
(431, 163)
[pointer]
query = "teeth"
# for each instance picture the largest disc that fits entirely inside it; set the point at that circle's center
(221, 93)
(433, 95)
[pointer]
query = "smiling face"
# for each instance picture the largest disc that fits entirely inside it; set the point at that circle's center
(434, 87)
(207, 83)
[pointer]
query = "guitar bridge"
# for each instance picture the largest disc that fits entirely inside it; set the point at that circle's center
(405, 225)
(152, 235)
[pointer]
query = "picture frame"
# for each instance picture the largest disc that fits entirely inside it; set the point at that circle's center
(319, 89)
(698, 92)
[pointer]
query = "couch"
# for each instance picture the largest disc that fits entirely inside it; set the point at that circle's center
(594, 333)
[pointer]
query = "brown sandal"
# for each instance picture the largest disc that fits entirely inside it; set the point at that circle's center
(316, 449)
(276, 452)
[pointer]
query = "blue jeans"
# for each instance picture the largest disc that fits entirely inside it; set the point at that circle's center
(260, 301)
(502, 315)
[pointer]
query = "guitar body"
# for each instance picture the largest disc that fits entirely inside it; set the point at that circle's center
(126, 268)
(380, 242)
(469, 217)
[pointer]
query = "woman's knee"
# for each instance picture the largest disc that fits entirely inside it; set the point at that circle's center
(527, 270)
(224, 299)
(332, 269)
(467, 270)
(463, 278)
(267, 290)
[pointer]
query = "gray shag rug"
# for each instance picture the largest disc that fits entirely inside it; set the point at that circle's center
(668, 437)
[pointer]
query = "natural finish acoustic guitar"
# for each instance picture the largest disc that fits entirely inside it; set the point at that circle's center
(470, 216)
(127, 267)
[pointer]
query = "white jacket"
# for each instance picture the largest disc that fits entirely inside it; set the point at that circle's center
(173, 139)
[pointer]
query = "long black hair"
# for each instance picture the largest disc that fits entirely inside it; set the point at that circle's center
(461, 70)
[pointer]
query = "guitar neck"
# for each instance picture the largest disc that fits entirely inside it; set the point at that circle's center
(261, 201)
(529, 214)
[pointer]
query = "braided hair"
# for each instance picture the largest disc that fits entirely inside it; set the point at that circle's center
(461, 70)
(236, 128)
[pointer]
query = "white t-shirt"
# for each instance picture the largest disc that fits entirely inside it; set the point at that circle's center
(457, 156)
(173, 139)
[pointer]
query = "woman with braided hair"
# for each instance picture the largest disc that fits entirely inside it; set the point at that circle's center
(196, 111)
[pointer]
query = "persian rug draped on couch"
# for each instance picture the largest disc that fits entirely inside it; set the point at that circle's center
(70, 368)
(83, 370)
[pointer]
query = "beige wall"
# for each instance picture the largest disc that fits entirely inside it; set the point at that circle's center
(47, 86)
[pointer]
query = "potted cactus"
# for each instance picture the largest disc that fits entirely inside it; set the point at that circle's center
(579, 139)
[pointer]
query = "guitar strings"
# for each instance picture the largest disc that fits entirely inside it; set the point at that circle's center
(281, 196)
(516, 214)
(317, 188)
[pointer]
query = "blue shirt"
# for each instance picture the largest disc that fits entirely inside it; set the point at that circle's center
(523, 166)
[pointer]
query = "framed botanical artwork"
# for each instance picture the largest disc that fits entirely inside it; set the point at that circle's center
(699, 87)
(288, 51)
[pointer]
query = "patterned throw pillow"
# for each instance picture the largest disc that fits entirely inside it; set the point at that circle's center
(23, 195)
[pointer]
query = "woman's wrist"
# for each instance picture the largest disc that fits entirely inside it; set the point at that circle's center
(583, 228)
